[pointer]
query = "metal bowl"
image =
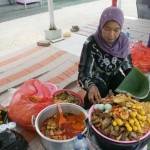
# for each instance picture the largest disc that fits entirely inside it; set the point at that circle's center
(52, 144)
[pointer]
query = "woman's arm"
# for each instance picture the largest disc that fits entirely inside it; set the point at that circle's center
(127, 64)
(86, 65)
(85, 77)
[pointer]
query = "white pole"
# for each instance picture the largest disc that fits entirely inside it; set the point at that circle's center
(51, 15)
(52, 33)
(119, 4)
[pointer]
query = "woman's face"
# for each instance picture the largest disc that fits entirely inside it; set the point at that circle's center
(111, 31)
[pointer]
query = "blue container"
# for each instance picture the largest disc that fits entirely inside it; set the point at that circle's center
(148, 43)
(81, 143)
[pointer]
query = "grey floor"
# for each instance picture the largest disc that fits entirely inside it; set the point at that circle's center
(16, 10)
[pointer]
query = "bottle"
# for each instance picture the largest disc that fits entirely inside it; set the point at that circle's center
(127, 32)
(148, 43)
(131, 39)
(81, 143)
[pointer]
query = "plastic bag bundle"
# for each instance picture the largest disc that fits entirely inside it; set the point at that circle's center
(141, 56)
(12, 140)
(28, 101)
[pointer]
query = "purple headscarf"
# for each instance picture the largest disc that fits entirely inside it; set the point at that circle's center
(120, 48)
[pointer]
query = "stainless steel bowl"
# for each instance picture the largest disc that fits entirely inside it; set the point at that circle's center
(51, 144)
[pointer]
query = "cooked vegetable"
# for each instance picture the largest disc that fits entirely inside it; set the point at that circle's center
(67, 97)
(125, 120)
(3, 116)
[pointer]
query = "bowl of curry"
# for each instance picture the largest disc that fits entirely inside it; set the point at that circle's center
(52, 135)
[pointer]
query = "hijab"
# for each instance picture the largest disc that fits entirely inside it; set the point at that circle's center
(120, 47)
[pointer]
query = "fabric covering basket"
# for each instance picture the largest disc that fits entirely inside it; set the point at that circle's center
(136, 84)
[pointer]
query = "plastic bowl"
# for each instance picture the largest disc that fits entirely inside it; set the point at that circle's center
(107, 143)
(77, 96)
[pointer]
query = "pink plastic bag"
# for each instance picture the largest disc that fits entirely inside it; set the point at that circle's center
(29, 100)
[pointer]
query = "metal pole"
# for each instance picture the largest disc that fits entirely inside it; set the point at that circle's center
(51, 15)
(119, 4)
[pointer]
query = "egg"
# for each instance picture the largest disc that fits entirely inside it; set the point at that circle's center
(107, 107)
(99, 106)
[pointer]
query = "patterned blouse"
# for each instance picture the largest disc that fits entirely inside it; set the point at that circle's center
(96, 64)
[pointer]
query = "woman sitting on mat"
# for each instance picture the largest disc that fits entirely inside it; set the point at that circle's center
(105, 59)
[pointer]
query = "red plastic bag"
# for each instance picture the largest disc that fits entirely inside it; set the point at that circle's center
(29, 100)
(141, 56)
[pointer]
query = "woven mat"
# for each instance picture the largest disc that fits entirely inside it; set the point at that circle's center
(37, 62)
(46, 64)
(138, 28)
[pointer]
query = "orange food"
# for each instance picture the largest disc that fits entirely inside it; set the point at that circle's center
(75, 124)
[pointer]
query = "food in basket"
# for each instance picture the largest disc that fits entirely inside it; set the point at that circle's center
(67, 96)
(3, 115)
(127, 120)
(75, 124)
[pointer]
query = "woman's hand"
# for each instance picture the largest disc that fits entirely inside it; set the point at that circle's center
(93, 94)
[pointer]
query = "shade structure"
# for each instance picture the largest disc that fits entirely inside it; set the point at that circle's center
(51, 15)
(52, 33)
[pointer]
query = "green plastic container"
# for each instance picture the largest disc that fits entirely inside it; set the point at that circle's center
(136, 84)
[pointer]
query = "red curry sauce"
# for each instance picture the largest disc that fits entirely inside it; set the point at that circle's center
(75, 124)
